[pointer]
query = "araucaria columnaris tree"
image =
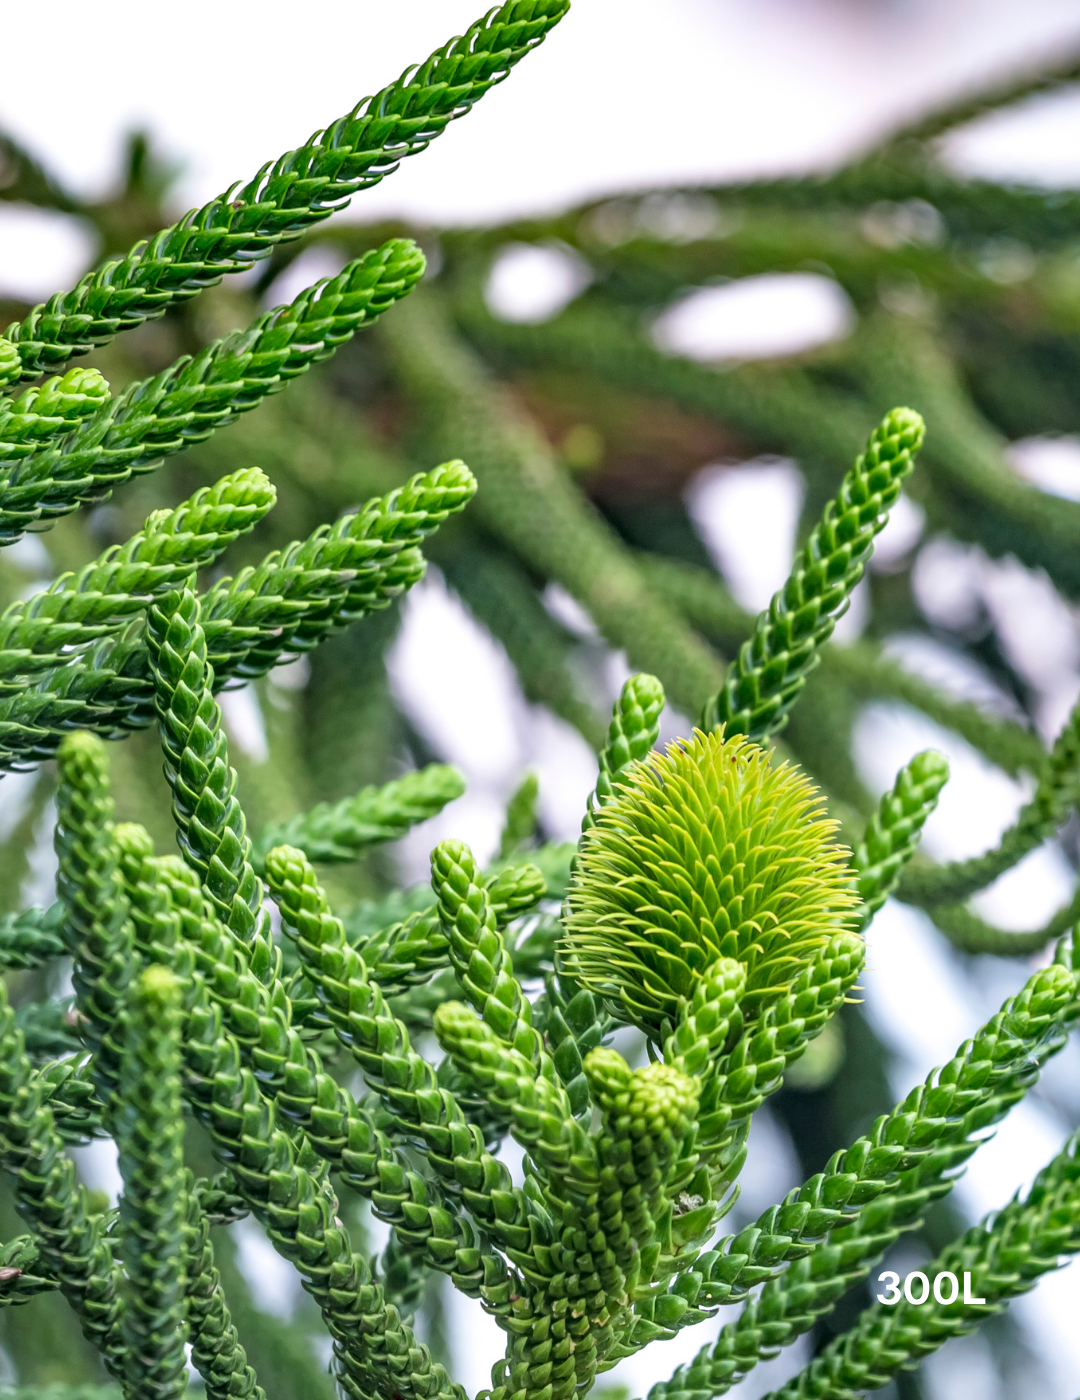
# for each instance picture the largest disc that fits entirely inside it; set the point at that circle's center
(255, 1048)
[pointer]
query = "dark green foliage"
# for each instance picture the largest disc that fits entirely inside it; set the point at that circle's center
(634, 729)
(77, 610)
(520, 816)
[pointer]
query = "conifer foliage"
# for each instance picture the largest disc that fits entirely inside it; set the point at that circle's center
(259, 1049)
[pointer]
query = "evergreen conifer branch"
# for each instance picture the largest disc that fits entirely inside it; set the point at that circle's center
(341, 831)
(972, 934)
(893, 831)
(153, 1209)
(284, 1183)
(513, 891)
(295, 597)
(986, 502)
(409, 952)
(646, 1139)
(342, 1134)
(521, 816)
(71, 1237)
(301, 188)
(287, 605)
(708, 901)
(1004, 1255)
(97, 927)
(356, 1009)
(792, 1301)
(634, 729)
(478, 951)
(78, 609)
(338, 1129)
(763, 682)
(539, 1111)
(194, 397)
(10, 364)
(32, 937)
(209, 819)
(783, 407)
(44, 413)
(71, 1094)
(754, 1069)
(1056, 795)
(988, 1075)
(18, 1281)
(155, 923)
(215, 1345)
(861, 666)
(1062, 70)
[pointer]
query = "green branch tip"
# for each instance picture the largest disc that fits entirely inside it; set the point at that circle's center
(650, 1101)
(10, 363)
(159, 986)
(81, 746)
(771, 669)
(893, 832)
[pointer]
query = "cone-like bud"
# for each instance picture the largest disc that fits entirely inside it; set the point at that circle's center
(707, 852)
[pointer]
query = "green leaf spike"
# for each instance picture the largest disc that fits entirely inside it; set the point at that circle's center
(76, 610)
(477, 949)
(215, 1346)
(71, 1236)
(98, 929)
(1004, 1256)
(32, 937)
(285, 606)
(42, 414)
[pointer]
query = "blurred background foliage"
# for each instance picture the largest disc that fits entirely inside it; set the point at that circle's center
(578, 363)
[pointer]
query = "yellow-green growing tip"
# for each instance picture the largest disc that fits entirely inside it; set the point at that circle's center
(709, 851)
(159, 984)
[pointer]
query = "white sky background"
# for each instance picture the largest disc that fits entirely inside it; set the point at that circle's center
(647, 93)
